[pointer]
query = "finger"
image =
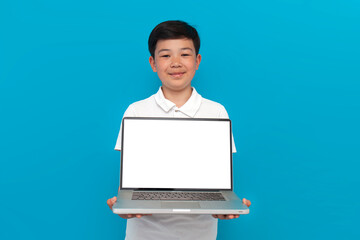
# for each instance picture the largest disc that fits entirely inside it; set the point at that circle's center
(246, 202)
(110, 203)
(215, 216)
(227, 217)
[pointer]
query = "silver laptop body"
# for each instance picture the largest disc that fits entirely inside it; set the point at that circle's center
(177, 166)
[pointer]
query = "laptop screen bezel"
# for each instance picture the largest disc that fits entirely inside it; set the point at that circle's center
(176, 189)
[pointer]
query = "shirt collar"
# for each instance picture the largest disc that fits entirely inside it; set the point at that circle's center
(189, 108)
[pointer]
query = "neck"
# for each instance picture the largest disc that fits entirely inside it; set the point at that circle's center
(177, 97)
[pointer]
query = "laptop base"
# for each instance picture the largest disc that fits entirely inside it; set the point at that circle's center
(232, 205)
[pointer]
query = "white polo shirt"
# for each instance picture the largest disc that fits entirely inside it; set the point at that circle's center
(171, 227)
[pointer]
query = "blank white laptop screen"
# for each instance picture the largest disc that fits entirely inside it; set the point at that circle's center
(176, 154)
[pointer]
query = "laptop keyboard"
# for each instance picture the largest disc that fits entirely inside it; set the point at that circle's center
(178, 196)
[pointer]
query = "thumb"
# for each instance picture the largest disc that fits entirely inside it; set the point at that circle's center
(246, 202)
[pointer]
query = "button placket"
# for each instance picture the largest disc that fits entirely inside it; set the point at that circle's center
(176, 112)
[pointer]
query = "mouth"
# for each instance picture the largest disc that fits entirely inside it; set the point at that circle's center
(177, 74)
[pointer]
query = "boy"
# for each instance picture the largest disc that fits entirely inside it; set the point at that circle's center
(174, 48)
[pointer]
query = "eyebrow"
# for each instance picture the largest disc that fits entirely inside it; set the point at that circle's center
(165, 49)
(187, 49)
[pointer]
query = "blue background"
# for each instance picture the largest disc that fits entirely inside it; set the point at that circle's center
(287, 72)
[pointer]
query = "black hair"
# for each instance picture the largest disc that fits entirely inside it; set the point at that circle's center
(173, 30)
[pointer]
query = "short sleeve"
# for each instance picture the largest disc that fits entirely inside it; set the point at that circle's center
(223, 114)
(128, 113)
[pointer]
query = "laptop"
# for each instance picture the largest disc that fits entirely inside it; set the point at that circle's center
(177, 166)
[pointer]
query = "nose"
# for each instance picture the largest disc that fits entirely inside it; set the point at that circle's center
(175, 63)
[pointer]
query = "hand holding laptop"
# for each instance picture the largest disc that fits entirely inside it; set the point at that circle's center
(232, 216)
(111, 202)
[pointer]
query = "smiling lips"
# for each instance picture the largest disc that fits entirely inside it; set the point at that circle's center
(176, 74)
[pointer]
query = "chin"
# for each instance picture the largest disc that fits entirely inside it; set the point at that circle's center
(177, 87)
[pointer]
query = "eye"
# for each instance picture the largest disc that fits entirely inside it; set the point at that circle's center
(185, 54)
(165, 56)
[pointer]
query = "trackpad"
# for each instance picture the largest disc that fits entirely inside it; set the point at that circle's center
(174, 204)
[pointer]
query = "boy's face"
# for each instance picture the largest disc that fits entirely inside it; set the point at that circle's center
(175, 63)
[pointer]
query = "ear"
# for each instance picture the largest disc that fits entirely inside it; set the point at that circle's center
(198, 60)
(152, 63)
